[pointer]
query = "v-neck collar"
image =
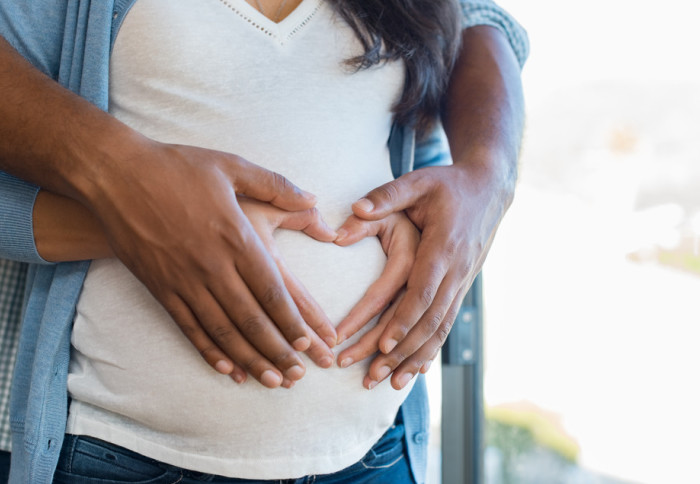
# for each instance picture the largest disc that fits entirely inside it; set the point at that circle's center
(281, 31)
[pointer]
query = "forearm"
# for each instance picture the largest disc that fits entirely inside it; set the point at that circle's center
(64, 230)
(52, 137)
(483, 115)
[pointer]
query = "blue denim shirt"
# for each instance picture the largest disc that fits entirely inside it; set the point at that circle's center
(71, 42)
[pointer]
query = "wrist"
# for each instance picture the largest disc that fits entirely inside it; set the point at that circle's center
(102, 162)
(489, 169)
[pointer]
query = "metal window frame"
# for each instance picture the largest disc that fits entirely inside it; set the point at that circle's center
(462, 439)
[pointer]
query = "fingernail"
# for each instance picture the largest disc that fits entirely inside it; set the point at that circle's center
(389, 345)
(287, 383)
(342, 233)
(404, 379)
(270, 379)
(371, 384)
(224, 367)
(365, 204)
(330, 341)
(295, 372)
(326, 362)
(307, 195)
(237, 377)
(383, 372)
(301, 344)
(340, 339)
(346, 362)
(426, 366)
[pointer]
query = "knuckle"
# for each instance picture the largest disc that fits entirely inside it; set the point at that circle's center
(426, 294)
(399, 357)
(304, 304)
(402, 330)
(416, 364)
(188, 329)
(314, 214)
(252, 325)
(222, 334)
(450, 247)
(435, 269)
(251, 364)
(279, 183)
(451, 316)
(272, 296)
(433, 322)
(463, 270)
(387, 192)
(443, 332)
(284, 359)
(205, 352)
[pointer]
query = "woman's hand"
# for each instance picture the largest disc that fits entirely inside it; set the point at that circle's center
(399, 239)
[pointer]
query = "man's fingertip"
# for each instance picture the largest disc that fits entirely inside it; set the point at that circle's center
(224, 367)
(270, 379)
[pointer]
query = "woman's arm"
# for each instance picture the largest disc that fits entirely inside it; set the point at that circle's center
(64, 230)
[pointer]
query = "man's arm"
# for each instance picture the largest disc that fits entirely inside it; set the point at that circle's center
(170, 214)
(458, 208)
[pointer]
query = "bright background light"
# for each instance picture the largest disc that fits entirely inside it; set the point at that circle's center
(591, 298)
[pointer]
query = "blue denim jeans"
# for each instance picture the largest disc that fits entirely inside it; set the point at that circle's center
(4, 466)
(85, 460)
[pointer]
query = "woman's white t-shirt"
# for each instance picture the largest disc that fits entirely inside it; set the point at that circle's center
(218, 74)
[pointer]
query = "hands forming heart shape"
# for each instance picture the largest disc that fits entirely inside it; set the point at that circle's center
(399, 239)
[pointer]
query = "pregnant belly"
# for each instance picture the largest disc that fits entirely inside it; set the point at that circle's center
(132, 370)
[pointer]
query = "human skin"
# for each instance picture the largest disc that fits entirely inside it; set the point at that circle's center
(457, 209)
(65, 230)
(87, 155)
(170, 213)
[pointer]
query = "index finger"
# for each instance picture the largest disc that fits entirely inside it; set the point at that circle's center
(429, 270)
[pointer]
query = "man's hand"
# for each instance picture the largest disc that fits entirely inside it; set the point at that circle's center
(169, 213)
(457, 208)
(265, 219)
(172, 216)
(457, 216)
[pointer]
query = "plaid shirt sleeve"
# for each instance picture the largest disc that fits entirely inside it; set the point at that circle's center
(12, 279)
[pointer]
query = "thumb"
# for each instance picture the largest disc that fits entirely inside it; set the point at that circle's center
(394, 196)
(264, 185)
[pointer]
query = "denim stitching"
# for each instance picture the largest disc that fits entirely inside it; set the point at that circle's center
(384, 466)
(74, 442)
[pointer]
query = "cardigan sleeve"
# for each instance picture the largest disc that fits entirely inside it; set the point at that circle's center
(16, 223)
(39, 42)
(487, 12)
